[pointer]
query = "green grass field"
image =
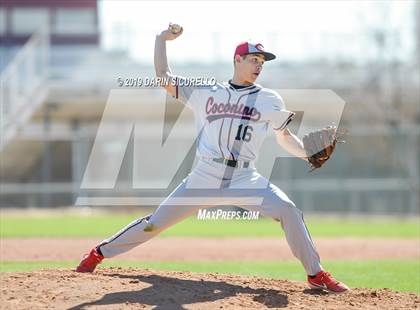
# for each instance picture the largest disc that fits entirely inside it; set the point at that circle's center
(400, 275)
(105, 225)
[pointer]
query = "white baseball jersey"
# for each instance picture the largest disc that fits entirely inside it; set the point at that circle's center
(233, 123)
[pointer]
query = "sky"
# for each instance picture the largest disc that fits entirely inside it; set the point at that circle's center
(293, 30)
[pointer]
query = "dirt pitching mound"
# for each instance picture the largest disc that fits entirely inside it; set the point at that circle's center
(117, 288)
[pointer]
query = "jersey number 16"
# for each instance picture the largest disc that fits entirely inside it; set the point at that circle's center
(244, 134)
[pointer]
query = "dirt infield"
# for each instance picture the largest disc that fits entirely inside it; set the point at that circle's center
(209, 249)
(117, 288)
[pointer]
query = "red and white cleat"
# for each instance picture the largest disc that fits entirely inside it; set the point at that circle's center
(324, 280)
(90, 261)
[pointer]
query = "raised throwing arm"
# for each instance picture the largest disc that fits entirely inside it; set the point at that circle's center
(161, 61)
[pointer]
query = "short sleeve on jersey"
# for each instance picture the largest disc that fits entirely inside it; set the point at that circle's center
(184, 91)
(280, 117)
(277, 102)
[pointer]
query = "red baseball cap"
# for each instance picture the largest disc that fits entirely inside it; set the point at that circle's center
(246, 48)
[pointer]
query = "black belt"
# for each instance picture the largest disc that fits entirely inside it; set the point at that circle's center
(231, 162)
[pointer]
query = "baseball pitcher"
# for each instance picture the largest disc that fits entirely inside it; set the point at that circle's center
(232, 120)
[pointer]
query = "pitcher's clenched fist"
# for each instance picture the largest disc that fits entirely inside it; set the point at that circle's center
(173, 32)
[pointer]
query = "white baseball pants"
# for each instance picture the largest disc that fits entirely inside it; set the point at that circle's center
(212, 184)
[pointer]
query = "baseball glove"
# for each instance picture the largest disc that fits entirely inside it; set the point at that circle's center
(320, 144)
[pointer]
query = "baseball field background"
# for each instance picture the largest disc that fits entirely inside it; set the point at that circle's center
(371, 253)
(61, 99)
(377, 257)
